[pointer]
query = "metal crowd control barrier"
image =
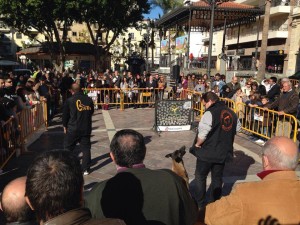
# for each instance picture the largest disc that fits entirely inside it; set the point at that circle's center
(266, 123)
(121, 97)
(15, 131)
(9, 139)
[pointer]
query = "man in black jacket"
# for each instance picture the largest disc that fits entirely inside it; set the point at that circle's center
(213, 146)
(274, 89)
(77, 122)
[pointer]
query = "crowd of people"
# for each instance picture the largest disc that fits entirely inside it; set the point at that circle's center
(52, 191)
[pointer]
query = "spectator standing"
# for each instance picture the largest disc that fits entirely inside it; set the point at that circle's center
(54, 189)
(276, 195)
(77, 123)
(65, 86)
(137, 194)
(218, 81)
(213, 146)
(247, 88)
(274, 91)
(286, 103)
(233, 85)
(14, 206)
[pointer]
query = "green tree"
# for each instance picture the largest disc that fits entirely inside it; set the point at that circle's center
(45, 16)
(167, 5)
(110, 18)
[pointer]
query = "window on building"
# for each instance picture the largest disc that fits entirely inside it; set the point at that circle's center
(81, 34)
(18, 35)
(74, 34)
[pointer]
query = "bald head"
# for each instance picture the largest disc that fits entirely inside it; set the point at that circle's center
(13, 203)
(281, 153)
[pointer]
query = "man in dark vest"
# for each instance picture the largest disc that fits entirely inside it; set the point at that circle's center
(213, 146)
(77, 123)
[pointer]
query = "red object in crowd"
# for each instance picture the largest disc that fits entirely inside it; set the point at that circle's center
(191, 56)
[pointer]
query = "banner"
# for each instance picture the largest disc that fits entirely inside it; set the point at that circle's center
(164, 46)
(182, 44)
(173, 115)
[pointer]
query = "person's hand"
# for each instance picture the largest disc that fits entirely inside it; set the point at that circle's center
(280, 113)
(65, 130)
(197, 146)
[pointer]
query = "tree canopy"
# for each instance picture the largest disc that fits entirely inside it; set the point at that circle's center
(48, 16)
(167, 5)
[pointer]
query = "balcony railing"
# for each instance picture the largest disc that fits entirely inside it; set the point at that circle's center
(280, 3)
(283, 27)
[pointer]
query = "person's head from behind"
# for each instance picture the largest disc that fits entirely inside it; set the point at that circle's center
(13, 203)
(280, 153)
(75, 88)
(128, 148)
(54, 184)
(209, 98)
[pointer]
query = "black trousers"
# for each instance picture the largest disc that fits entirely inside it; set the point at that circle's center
(71, 139)
(202, 170)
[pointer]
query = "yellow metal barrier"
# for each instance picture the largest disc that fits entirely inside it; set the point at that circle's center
(230, 103)
(14, 132)
(10, 139)
(128, 96)
(266, 123)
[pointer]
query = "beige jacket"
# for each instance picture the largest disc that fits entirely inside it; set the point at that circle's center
(277, 195)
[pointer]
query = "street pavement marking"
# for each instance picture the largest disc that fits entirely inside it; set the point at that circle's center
(110, 127)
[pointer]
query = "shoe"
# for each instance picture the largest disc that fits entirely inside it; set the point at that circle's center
(259, 141)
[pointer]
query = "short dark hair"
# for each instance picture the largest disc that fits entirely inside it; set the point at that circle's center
(210, 96)
(128, 148)
(274, 79)
(54, 183)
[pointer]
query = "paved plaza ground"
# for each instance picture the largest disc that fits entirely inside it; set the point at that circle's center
(245, 165)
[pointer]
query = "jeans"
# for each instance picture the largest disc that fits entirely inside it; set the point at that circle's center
(85, 147)
(202, 170)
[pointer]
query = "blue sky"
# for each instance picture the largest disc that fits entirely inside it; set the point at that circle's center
(154, 13)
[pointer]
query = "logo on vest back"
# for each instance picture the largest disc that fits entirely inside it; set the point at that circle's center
(226, 120)
(80, 107)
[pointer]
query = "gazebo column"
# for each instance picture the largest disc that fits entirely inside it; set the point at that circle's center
(212, 15)
(223, 57)
(237, 47)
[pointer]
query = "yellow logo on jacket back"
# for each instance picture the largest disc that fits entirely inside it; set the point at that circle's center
(81, 107)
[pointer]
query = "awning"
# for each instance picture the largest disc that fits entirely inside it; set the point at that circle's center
(8, 63)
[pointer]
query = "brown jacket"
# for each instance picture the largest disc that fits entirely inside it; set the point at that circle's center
(277, 195)
(81, 216)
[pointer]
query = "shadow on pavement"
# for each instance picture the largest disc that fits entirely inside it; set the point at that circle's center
(235, 170)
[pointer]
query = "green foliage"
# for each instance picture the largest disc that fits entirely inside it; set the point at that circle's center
(167, 5)
(113, 16)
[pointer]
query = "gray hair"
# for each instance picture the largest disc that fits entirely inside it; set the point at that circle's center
(279, 159)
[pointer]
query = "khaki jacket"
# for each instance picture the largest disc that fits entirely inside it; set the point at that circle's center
(277, 195)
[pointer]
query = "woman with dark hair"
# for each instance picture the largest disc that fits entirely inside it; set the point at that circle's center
(262, 90)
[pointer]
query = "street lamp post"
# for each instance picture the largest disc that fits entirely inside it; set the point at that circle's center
(147, 40)
(213, 5)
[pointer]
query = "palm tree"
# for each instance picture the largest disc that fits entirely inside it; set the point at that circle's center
(166, 5)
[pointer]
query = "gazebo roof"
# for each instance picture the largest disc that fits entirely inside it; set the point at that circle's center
(235, 13)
